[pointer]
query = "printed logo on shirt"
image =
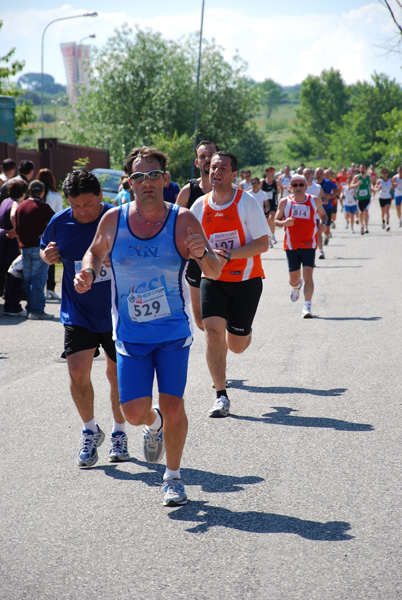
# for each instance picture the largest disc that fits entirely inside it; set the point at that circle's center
(142, 252)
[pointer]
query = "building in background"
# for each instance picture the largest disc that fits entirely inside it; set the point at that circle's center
(76, 63)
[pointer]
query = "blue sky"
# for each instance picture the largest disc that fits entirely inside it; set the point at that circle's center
(285, 41)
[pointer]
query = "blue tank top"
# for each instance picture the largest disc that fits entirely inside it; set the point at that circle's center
(150, 299)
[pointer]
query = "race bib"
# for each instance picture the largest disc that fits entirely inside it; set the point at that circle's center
(148, 306)
(270, 195)
(363, 193)
(225, 239)
(301, 212)
(105, 273)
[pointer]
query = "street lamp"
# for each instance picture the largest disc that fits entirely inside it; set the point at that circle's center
(88, 14)
(197, 92)
(77, 74)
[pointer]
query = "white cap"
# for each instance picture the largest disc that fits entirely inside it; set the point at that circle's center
(298, 176)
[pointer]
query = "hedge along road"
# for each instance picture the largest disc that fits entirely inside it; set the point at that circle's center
(296, 495)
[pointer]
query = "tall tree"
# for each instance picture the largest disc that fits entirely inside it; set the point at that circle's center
(143, 87)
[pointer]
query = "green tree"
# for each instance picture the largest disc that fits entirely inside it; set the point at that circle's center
(323, 102)
(272, 95)
(9, 68)
(143, 88)
(391, 149)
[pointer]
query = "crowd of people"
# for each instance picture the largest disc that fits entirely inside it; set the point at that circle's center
(131, 271)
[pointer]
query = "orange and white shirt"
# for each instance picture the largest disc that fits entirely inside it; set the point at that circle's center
(231, 226)
(303, 233)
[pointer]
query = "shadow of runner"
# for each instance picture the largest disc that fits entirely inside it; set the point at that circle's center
(282, 416)
(239, 384)
(258, 522)
(209, 482)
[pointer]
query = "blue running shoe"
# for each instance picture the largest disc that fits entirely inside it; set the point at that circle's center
(88, 455)
(118, 452)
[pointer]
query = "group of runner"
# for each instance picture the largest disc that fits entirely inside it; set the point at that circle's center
(124, 286)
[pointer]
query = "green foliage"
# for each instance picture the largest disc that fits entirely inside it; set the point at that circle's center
(143, 86)
(23, 112)
(272, 95)
(252, 147)
(81, 163)
(179, 149)
(389, 143)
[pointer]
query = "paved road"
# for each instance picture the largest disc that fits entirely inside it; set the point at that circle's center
(295, 496)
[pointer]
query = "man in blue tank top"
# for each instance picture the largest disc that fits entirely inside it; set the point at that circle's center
(149, 242)
(87, 319)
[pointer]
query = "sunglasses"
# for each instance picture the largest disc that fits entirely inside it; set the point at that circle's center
(152, 176)
(298, 184)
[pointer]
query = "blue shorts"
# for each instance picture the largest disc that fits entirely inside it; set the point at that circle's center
(398, 200)
(136, 369)
(350, 209)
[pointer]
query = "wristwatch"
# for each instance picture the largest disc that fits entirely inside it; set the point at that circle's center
(204, 255)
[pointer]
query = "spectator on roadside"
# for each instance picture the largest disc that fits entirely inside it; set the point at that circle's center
(25, 172)
(8, 167)
(54, 199)
(31, 219)
(171, 190)
(9, 249)
(124, 196)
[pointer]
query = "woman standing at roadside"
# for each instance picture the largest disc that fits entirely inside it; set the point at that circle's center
(55, 201)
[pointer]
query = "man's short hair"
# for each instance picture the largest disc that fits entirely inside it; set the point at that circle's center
(36, 188)
(233, 159)
(255, 180)
(25, 167)
(270, 169)
(8, 165)
(205, 143)
(80, 182)
(148, 153)
(17, 188)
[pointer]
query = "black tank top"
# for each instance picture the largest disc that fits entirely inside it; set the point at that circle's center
(195, 192)
(270, 187)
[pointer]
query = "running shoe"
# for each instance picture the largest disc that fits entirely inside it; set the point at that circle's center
(118, 451)
(326, 240)
(306, 313)
(88, 455)
(154, 446)
(321, 254)
(347, 225)
(333, 225)
(388, 227)
(221, 408)
(274, 241)
(21, 313)
(40, 316)
(362, 231)
(51, 295)
(366, 230)
(174, 493)
(295, 293)
(383, 225)
(352, 230)
(270, 243)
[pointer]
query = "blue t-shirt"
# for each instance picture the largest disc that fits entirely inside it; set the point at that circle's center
(91, 310)
(123, 197)
(170, 192)
(328, 186)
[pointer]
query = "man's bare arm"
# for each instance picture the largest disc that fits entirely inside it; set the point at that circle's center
(184, 195)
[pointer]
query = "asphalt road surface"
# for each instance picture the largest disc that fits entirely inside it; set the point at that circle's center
(296, 495)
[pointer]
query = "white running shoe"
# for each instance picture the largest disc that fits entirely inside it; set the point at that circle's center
(274, 241)
(270, 243)
(321, 254)
(153, 444)
(306, 313)
(118, 451)
(383, 225)
(295, 293)
(388, 228)
(221, 408)
(174, 493)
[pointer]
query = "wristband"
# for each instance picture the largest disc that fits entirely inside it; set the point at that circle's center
(89, 270)
(204, 255)
(228, 255)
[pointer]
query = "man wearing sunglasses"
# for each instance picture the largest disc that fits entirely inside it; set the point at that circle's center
(297, 213)
(149, 242)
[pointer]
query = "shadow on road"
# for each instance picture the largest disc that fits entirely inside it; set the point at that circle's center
(348, 318)
(258, 522)
(282, 416)
(209, 482)
(239, 384)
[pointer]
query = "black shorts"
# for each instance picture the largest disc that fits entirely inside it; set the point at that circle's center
(363, 205)
(234, 301)
(385, 202)
(299, 257)
(329, 215)
(193, 273)
(272, 207)
(334, 208)
(78, 338)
